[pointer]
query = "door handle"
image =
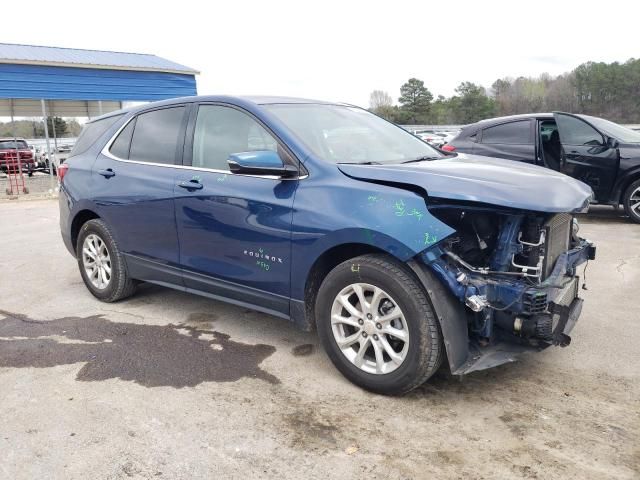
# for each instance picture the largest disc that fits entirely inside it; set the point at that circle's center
(108, 173)
(191, 185)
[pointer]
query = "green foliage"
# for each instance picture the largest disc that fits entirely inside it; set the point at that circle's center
(608, 90)
(472, 103)
(59, 124)
(415, 100)
(34, 128)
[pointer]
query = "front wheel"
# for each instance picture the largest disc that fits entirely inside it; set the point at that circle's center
(631, 201)
(377, 325)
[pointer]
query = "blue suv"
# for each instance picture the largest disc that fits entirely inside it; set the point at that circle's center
(328, 216)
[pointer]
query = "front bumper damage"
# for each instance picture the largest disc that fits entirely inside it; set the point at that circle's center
(506, 315)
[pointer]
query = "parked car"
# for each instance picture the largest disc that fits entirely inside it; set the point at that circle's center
(431, 137)
(600, 153)
(329, 216)
(448, 136)
(8, 157)
(59, 154)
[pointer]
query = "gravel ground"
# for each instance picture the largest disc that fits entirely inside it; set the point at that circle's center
(170, 385)
(38, 185)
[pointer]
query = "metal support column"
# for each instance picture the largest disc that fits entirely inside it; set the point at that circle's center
(15, 140)
(46, 136)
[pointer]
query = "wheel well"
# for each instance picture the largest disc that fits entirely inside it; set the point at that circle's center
(82, 217)
(626, 185)
(323, 265)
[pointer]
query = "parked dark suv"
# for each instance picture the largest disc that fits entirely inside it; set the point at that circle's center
(333, 218)
(602, 154)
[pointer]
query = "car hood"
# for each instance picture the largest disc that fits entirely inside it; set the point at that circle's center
(475, 178)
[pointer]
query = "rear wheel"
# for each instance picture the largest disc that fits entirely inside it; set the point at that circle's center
(631, 201)
(101, 263)
(377, 325)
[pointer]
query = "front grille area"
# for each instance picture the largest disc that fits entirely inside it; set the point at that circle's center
(558, 235)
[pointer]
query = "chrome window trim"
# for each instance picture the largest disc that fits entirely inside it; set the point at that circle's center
(105, 151)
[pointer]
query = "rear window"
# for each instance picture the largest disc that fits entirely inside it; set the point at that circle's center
(10, 144)
(92, 132)
(155, 136)
(509, 133)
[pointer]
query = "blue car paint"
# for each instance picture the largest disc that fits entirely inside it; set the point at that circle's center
(253, 241)
(138, 201)
(237, 229)
(487, 180)
(329, 213)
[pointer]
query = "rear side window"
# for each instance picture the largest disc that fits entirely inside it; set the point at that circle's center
(156, 134)
(92, 132)
(517, 133)
(120, 147)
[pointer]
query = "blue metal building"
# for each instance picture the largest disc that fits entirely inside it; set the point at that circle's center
(76, 82)
(69, 82)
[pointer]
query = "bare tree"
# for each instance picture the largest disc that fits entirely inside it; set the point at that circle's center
(380, 99)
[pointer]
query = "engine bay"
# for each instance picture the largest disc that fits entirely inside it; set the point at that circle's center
(515, 271)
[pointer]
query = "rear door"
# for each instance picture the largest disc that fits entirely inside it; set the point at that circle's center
(234, 230)
(133, 182)
(586, 155)
(512, 140)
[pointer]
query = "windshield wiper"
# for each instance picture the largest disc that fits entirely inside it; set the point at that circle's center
(361, 163)
(422, 159)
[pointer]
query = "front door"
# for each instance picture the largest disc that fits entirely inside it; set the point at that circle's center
(586, 155)
(133, 184)
(234, 230)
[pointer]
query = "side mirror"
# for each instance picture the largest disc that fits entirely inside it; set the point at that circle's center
(612, 142)
(260, 162)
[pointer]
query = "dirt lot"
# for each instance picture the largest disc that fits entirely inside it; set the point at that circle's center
(169, 385)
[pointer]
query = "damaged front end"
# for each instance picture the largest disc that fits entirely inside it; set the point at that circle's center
(516, 272)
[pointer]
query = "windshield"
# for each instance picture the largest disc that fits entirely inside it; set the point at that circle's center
(10, 144)
(343, 134)
(624, 134)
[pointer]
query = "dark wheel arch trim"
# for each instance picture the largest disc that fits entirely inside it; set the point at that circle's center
(82, 217)
(623, 184)
(451, 316)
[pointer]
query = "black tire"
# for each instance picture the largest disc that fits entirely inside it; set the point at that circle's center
(632, 190)
(425, 351)
(120, 285)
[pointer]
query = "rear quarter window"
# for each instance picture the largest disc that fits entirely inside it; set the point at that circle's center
(514, 133)
(92, 132)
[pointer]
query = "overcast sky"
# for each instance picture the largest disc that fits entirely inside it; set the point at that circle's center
(341, 50)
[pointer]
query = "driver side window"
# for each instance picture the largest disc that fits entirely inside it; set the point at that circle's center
(221, 131)
(574, 131)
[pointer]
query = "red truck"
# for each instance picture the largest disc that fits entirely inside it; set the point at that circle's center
(8, 155)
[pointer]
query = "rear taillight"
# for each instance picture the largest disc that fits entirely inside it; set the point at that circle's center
(448, 148)
(62, 171)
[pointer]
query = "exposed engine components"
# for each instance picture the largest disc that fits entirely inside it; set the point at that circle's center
(477, 303)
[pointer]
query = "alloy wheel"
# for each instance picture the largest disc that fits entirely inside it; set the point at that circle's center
(96, 261)
(369, 328)
(634, 201)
